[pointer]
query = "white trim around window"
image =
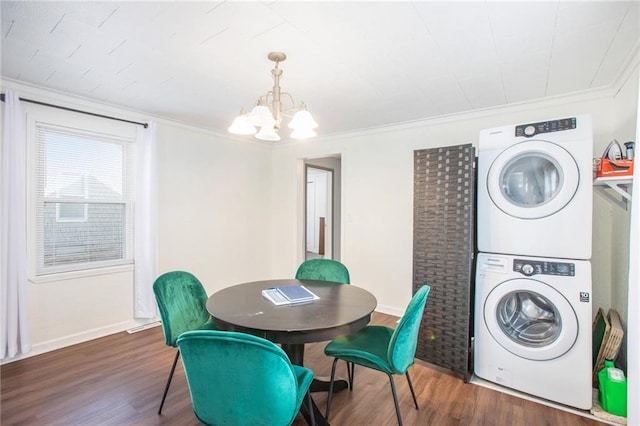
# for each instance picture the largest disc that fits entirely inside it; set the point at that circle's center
(96, 176)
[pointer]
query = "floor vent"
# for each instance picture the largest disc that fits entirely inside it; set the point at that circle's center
(143, 327)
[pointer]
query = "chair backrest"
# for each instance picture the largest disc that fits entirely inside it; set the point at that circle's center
(182, 303)
(324, 270)
(238, 379)
(402, 347)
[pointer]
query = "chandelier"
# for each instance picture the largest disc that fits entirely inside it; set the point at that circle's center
(265, 118)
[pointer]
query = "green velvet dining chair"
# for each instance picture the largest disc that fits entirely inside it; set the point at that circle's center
(381, 348)
(181, 300)
(327, 270)
(240, 379)
(323, 270)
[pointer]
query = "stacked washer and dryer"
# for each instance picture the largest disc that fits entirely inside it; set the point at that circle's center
(533, 274)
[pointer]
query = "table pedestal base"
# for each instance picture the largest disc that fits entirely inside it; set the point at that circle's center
(319, 384)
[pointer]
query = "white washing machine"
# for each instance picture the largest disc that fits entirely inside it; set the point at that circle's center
(535, 189)
(533, 326)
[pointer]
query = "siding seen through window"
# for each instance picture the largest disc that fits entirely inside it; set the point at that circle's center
(84, 199)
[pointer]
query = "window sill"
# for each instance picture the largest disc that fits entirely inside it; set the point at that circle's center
(62, 276)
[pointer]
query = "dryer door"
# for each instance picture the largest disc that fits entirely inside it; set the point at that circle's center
(530, 319)
(533, 179)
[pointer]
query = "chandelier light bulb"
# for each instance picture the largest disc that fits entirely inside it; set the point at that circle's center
(242, 126)
(260, 116)
(303, 120)
(268, 133)
(303, 133)
(269, 112)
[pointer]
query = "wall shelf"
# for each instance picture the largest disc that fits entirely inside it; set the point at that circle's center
(618, 184)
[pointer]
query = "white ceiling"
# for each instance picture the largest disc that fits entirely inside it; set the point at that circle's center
(356, 65)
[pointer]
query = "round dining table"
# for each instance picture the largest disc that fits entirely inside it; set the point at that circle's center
(340, 309)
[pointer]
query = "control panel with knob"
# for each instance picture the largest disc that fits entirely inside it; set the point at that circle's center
(536, 267)
(532, 129)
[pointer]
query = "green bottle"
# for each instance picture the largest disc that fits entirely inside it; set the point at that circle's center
(613, 389)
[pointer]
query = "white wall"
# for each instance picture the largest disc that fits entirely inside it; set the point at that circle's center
(214, 206)
(231, 210)
(625, 117)
(214, 216)
(377, 197)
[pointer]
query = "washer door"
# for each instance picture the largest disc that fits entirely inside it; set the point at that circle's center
(530, 319)
(533, 179)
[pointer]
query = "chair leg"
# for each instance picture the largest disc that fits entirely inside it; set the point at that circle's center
(166, 389)
(395, 399)
(333, 375)
(311, 411)
(413, 394)
(351, 369)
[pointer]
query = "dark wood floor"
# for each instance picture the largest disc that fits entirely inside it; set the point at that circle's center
(118, 380)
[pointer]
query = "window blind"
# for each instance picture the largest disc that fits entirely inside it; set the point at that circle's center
(84, 199)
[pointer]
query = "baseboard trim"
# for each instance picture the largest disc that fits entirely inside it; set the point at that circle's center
(390, 310)
(74, 339)
(143, 327)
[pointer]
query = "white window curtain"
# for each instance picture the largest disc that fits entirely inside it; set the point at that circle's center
(146, 221)
(14, 324)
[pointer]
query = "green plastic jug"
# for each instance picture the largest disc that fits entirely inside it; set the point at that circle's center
(613, 389)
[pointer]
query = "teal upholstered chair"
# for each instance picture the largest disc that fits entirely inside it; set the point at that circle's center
(239, 379)
(323, 270)
(181, 300)
(326, 270)
(382, 348)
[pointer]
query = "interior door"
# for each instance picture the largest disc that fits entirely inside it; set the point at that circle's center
(319, 205)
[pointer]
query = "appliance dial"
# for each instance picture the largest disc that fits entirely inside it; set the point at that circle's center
(530, 130)
(528, 269)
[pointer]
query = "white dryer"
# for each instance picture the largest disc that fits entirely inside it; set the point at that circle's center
(535, 189)
(533, 326)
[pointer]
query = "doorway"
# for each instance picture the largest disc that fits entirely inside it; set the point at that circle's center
(319, 213)
(322, 194)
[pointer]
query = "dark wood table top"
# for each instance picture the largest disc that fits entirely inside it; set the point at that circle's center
(341, 309)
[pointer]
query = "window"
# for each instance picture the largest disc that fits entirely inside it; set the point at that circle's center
(83, 206)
